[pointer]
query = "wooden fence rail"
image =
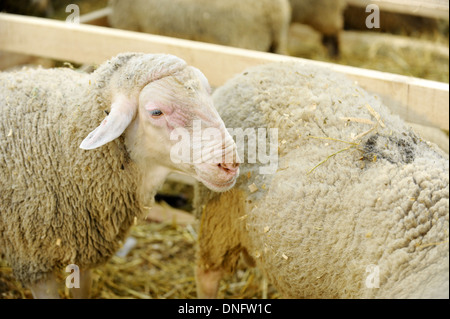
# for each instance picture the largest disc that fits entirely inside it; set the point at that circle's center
(416, 100)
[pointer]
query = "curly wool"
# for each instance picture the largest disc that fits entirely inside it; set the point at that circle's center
(60, 204)
(259, 25)
(333, 210)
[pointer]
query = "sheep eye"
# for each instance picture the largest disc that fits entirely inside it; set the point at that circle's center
(156, 113)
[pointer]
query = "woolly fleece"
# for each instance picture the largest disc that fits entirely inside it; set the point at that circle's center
(60, 204)
(317, 231)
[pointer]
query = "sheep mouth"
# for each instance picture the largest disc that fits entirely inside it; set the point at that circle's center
(218, 186)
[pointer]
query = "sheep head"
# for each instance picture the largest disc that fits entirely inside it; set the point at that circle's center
(164, 115)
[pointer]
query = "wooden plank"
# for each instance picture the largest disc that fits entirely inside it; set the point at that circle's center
(416, 100)
(425, 8)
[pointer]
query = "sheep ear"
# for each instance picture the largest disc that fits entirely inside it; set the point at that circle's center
(121, 115)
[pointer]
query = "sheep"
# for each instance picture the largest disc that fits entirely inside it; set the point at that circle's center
(357, 205)
(63, 204)
(325, 16)
(251, 24)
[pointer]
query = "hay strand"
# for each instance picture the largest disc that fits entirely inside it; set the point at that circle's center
(159, 266)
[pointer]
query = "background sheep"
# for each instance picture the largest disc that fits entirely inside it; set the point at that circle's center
(62, 205)
(325, 16)
(251, 24)
(359, 201)
(39, 8)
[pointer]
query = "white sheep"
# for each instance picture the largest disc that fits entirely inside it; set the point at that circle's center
(358, 207)
(251, 24)
(63, 205)
(325, 16)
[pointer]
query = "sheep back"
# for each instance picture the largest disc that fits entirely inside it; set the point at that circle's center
(355, 188)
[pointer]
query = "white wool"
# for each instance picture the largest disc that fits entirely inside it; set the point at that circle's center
(357, 195)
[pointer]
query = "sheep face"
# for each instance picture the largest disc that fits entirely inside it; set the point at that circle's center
(178, 114)
(173, 125)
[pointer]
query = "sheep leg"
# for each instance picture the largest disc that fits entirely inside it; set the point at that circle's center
(85, 285)
(207, 282)
(46, 288)
(331, 43)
